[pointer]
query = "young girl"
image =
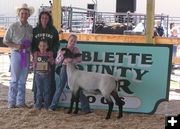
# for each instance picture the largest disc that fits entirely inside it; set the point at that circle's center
(63, 75)
(42, 61)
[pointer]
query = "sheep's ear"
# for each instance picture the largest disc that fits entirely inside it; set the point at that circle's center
(68, 54)
(77, 55)
(63, 49)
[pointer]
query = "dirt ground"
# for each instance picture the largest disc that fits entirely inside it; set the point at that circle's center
(28, 118)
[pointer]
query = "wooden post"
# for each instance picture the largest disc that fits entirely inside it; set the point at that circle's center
(56, 14)
(150, 21)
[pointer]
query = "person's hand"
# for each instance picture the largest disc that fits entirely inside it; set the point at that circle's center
(23, 46)
(18, 46)
(31, 58)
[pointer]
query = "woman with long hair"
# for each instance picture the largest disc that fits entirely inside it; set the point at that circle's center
(45, 30)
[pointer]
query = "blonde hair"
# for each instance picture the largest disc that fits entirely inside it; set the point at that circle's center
(73, 36)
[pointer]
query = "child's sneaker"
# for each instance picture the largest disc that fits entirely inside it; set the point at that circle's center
(11, 106)
(51, 110)
(22, 106)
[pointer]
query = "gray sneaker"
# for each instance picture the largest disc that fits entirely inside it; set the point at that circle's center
(51, 110)
(11, 106)
(22, 106)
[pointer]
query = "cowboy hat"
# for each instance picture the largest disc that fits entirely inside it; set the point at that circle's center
(25, 6)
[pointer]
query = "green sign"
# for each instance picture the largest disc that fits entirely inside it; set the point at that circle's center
(145, 67)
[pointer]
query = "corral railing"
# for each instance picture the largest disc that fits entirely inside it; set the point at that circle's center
(89, 21)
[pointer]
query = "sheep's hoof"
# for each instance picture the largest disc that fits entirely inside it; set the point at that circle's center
(75, 112)
(119, 117)
(69, 111)
(107, 117)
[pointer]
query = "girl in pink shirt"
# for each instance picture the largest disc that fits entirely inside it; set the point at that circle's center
(72, 40)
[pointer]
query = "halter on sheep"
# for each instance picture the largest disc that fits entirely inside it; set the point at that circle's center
(103, 83)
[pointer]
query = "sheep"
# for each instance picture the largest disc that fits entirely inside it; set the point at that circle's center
(103, 83)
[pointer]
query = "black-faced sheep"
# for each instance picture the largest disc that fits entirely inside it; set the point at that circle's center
(103, 83)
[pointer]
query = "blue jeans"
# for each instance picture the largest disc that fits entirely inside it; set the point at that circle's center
(52, 85)
(59, 89)
(16, 95)
(42, 81)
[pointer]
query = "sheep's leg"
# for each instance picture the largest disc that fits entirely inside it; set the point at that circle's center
(110, 104)
(119, 102)
(77, 102)
(72, 103)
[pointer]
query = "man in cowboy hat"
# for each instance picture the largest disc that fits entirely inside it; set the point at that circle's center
(15, 36)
